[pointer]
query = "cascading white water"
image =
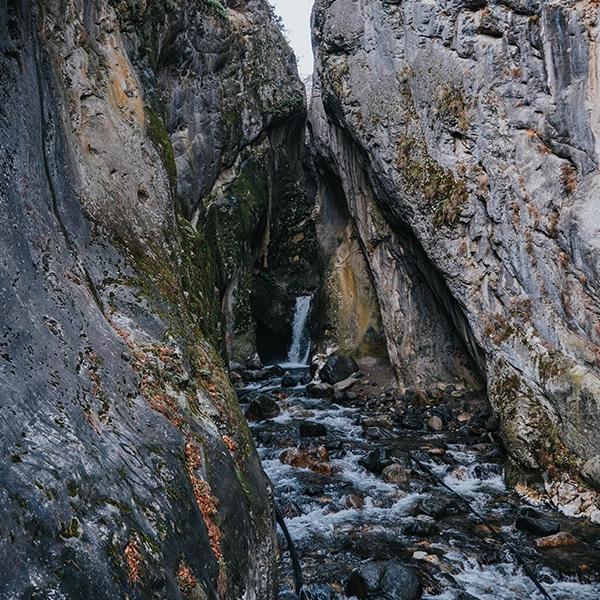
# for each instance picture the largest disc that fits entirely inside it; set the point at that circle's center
(299, 351)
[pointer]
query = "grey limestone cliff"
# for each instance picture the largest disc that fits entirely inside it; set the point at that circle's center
(464, 136)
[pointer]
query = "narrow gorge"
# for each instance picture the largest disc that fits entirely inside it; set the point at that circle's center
(267, 340)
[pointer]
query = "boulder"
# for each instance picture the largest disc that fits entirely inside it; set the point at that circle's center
(435, 423)
(591, 472)
(354, 501)
(396, 474)
(316, 460)
(337, 368)
(319, 592)
(343, 386)
(440, 506)
(320, 390)
(276, 370)
(534, 522)
(262, 408)
(312, 429)
(385, 580)
(376, 460)
(558, 540)
(288, 381)
(253, 376)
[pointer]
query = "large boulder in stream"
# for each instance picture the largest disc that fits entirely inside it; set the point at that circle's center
(338, 368)
(262, 408)
(384, 580)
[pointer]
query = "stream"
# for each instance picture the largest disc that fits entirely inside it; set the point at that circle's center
(369, 482)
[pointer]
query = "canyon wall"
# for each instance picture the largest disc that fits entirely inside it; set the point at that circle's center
(464, 135)
(134, 141)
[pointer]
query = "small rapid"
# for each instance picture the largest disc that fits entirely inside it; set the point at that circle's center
(447, 514)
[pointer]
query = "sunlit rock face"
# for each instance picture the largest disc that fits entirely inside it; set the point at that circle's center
(128, 469)
(465, 138)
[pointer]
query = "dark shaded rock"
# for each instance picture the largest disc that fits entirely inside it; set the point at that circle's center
(396, 474)
(376, 460)
(400, 582)
(306, 378)
(418, 528)
(254, 363)
(312, 429)
(364, 580)
(385, 580)
(318, 592)
(254, 376)
(337, 368)
(320, 390)
(262, 408)
(439, 507)
(534, 522)
(276, 370)
(288, 381)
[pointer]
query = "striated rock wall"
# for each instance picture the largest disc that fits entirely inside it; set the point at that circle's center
(465, 136)
(127, 467)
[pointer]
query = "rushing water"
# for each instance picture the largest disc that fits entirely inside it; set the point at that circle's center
(299, 351)
(458, 555)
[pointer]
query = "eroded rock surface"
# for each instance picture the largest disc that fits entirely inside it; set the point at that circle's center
(127, 466)
(464, 138)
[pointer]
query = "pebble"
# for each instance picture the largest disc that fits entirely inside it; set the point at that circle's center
(557, 540)
(435, 423)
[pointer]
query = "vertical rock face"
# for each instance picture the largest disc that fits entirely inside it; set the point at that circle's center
(127, 467)
(464, 135)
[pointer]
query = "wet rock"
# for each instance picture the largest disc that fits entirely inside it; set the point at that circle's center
(591, 472)
(532, 521)
(319, 592)
(439, 507)
(262, 408)
(558, 540)
(376, 460)
(317, 460)
(435, 423)
(420, 555)
(288, 381)
(320, 390)
(337, 368)
(386, 580)
(418, 527)
(396, 474)
(235, 377)
(276, 371)
(254, 376)
(364, 580)
(306, 379)
(492, 424)
(354, 501)
(343, 386)
(490, 557)
(254, 363)
(487, 471)
(312, 429)
(413, 418)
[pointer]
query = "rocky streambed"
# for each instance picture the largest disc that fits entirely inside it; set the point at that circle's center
(394, 497)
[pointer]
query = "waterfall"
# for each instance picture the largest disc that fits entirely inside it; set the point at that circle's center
(299, 351)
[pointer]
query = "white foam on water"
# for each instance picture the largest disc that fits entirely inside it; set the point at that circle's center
(299, 351)
(508, 582)
(324, 523)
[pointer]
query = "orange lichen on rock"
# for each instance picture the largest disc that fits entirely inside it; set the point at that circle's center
(206, 502)
(133, 558)
(185, 579)
(231, 446)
